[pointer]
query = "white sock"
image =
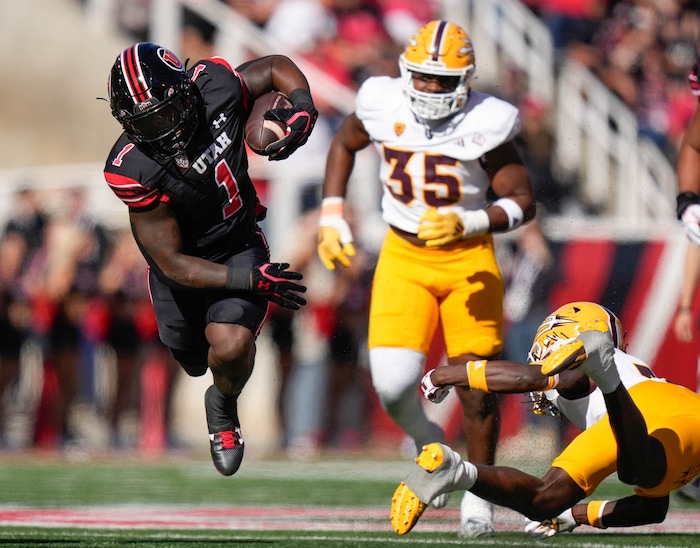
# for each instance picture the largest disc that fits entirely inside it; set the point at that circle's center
(466, 478)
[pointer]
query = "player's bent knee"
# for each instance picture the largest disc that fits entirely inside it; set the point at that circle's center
(229, 343)
(395, 372)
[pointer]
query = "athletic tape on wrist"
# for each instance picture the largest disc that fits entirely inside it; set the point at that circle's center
(552, 382)
(476, 373)
(594, 512)
(475, 221)
(513, 211)
(333, 205)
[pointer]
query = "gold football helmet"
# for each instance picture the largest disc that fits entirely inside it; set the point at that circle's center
(439, 48)
(568, 321)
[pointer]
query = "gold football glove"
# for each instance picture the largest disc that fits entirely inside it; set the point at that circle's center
(441, 227)
(334, 236)
(330, 247)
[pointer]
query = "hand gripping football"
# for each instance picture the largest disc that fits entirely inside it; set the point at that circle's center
(259, 133)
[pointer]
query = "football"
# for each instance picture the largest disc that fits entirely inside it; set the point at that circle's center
(259, 133)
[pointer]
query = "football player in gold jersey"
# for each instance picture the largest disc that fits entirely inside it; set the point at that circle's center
(642, 427)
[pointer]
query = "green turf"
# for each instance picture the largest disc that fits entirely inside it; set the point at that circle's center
(61, 483)
(289, 539)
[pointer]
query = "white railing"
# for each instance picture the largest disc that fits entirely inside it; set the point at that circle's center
(626, 179)
(597, 141)
(506, 28)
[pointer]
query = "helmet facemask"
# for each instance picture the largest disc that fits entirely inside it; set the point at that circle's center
(154, 100)
(166, 127)
(441, 50)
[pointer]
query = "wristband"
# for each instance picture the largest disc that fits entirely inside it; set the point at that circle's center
(594, 513)
(513, 211)
(476, 373)
(300, 97)
(683, 200)
(552, 382)
(238, 279)
(474, 222)
(333, 205)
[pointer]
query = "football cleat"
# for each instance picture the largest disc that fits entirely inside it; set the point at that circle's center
(406, 509)
(567, 356)
(225, 440)
(407, 505)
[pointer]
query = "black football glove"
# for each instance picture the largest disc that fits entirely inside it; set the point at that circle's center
(271, 281)
(300, 121)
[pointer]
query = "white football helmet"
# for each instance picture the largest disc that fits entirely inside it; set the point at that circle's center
(439, 48)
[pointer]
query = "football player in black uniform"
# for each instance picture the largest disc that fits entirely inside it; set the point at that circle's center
(181, 168)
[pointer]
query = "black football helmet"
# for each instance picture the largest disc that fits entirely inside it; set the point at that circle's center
(154, 99)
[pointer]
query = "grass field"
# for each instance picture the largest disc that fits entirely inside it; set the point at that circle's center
(180, 501)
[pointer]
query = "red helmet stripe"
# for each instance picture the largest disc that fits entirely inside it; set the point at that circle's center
(437, 39)
(133, 75)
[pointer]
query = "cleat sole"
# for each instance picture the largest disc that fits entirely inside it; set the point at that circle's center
(569, 356)
(431, 457)
(406, 509)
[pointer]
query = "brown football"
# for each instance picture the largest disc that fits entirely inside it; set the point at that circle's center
(259, 133)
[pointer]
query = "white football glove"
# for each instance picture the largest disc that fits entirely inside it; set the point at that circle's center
(691, 223)
(563, 523)
(430, 391)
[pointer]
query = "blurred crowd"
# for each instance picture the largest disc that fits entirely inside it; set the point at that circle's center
(640, 49)
(76, 316)
(74, 300)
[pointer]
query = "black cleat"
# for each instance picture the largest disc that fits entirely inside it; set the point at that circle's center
(224, 431)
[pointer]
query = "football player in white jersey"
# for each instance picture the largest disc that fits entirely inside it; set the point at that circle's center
(642, 427)
(451, 176)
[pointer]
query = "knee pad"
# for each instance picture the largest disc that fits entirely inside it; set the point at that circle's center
(194, 363)
(395, 371)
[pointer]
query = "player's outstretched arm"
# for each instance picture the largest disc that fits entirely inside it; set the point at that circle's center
(498, 376)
